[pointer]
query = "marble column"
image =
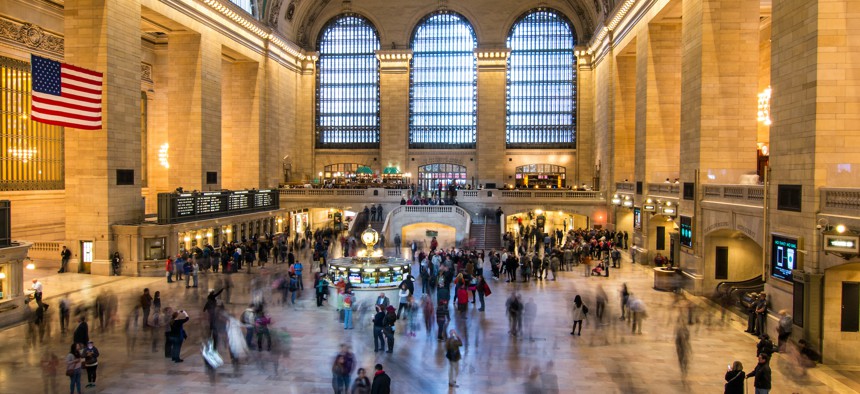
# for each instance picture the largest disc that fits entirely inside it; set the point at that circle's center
(394, 109)
(492, 102)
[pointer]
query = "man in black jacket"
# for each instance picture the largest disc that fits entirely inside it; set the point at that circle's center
(378, 326)
(381, 382)
(762, 374)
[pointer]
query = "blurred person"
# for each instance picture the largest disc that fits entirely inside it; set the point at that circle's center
(637, 308)
(515, 314)
(452, 353)
(37, 288)
(74, 361)
(735, 378)
(762, 375)
(261, 328)
(166, 320)
(751, 314)
(195, 271)
(549, 380)
(50, 364)
(784, 329)
(247, 319)
(403, 300)
(443, 317)
(82, 332)
(115, 263)
(429, 312)
(600, 303)
(339, 375)
(361, 385)
(625, 299)
(381, 381)
(483, 290)
(580, 312)
(765, 345)
(682, 348)
(298, 268)
(388, 328)
(529, 316)
(65, 313)
(91, 362)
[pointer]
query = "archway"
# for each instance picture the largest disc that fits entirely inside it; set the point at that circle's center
(423, 233)
(662, 239)
(541, 176)
(730, 256)
(840, 318)
(436, 176)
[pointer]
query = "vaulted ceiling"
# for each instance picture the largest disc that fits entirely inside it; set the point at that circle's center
(301, 20)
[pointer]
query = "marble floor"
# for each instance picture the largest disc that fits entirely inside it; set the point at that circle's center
(607, 358)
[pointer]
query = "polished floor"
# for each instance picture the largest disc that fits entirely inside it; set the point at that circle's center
(607, 358)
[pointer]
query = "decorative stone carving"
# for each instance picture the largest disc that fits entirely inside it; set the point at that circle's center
(145, 72)
(31, 36)
(274, 12)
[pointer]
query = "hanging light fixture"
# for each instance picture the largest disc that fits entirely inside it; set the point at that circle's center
(764, 107)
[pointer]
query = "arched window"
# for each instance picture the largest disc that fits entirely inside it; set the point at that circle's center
(541, 82)
(432, 177)
(444, 81)
(348, 84)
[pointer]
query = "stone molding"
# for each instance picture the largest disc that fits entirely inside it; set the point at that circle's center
(490, 59)
(32, 37)
(394, 61)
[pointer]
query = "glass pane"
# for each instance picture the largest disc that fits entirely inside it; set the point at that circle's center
(541, 82)
(348, 84)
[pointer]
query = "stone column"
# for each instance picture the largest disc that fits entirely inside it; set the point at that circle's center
(658, 102)
(103, 36)
(719, 76)
(394, 108)
(492, 114)
(624, 141)
(194, 113)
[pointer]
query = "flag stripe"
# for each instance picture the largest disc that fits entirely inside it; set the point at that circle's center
(93, 105)
(80, 80)
(66, 95)
(82, 70)
(72, 109)
(81, 89)
(57, 120)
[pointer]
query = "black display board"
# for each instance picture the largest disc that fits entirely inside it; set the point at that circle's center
(686, 231)
(783, 257)
(186, 207)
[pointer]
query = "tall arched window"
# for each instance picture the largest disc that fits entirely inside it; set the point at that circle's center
(444, 81)
(541, 82)
(348, 84)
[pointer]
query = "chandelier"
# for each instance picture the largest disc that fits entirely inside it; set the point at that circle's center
(21, 153)
(764, 106)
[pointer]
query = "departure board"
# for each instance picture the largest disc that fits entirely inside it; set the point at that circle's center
(185, 207)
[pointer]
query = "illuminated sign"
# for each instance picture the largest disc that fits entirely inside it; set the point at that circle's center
(628, 203)
(649, 208)
(669, 211)
(686, 231)
(783, 257)
(185, 207)
(849, 244)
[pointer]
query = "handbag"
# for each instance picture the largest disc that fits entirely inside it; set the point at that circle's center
(211, 355)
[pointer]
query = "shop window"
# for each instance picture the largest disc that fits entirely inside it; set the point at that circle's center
(154, 248)
(541, 96)
(431, 176)
(443, 106)
(544, 176)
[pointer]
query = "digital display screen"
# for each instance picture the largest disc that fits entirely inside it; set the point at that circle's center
(637, 218)
(209, 204)
(262, 200)
(686, 231)
(185, 206)
(238, 202)
(174, 208)
(783, 258)
(355, 278)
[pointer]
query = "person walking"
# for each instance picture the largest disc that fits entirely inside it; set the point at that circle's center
(483, 291)
(443, 317)
(381, 381)
(735, 378)
(37, 288)
(91, 362)
(361, 385)
(625, 301)
(298, 268)
(74, 361)
(388, 327)
(452, 353)
(339, 375)
(580, 312)
(762, 382)
(348, 300)
(403, 296)
(784, 329)
(82, 332)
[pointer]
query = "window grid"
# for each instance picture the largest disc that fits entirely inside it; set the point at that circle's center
(541, 105)
(431, 175)
(31, 153)
(443, 88)
(348, 84)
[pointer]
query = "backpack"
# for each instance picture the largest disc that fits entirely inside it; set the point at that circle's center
(584, 309)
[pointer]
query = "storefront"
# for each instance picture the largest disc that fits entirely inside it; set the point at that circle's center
(540, 176)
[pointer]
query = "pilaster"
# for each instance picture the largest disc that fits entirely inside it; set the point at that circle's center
(100, 36)
(394, 107)
(492, 103)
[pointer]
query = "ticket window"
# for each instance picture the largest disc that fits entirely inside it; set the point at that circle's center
(86, 256)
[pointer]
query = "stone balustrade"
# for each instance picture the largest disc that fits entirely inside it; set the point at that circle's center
(734, 194)
(840, 201)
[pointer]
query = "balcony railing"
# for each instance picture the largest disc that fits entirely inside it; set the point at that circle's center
(484, 196)
(842, 201)
(671, 190)
(625, 187)
(735, 194)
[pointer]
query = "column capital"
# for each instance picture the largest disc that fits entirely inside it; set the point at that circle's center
(394, 60)
(309, 62)
(492, 58)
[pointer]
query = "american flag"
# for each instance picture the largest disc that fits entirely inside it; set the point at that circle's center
(65, 95)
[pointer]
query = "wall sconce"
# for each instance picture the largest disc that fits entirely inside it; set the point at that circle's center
(187, 239)
(2, 275)
(208, 234)
(198, 236)
(30, 266)
(228, 230)
(841, 241)
(628, 202)
(163, 155)
(616, 200)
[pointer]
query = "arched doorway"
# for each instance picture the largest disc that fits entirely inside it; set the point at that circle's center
(423, 234)
(542, 176)
(432, 177)
(841, 318)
